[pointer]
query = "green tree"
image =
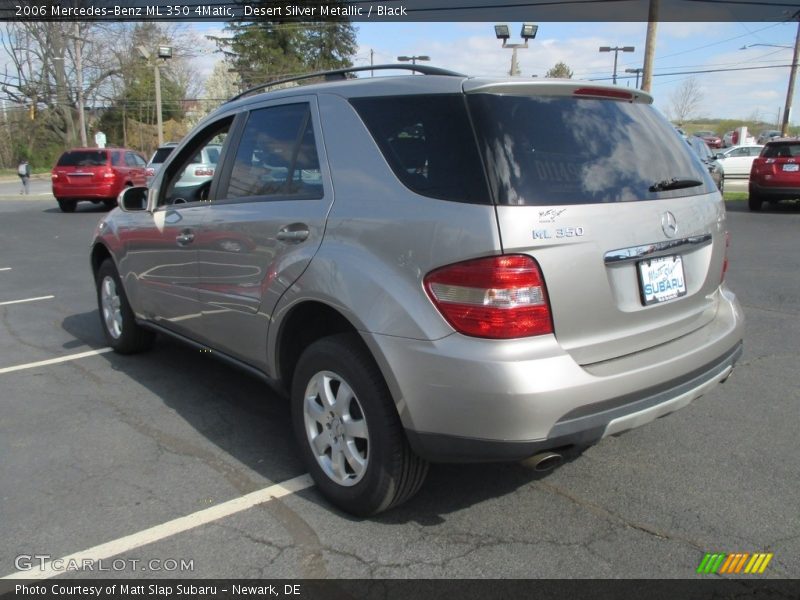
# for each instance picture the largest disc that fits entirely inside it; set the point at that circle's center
(560, 71)
(265, 51)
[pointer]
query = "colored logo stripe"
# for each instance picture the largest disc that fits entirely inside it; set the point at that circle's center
(722, 563)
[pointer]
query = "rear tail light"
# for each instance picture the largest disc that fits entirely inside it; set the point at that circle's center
(53, 176)
(108, 173)
(204, 172)
(725, 258)
(499, 297)
(149, 171)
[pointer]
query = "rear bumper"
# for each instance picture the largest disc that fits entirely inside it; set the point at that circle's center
(85, 192)
(465, 399)
(774, 192)
(582, 430)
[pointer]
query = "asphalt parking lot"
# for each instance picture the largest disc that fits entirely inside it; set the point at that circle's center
(170, 464)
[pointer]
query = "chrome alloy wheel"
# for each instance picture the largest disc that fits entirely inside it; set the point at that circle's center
(111, 305)
(336, 428)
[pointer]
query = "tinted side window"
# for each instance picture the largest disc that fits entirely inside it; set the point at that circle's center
(116, 159)
(429, 144)
(277, 155)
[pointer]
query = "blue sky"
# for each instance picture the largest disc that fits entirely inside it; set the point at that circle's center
(472, 48)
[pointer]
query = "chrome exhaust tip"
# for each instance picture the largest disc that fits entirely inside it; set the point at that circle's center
(543, 462)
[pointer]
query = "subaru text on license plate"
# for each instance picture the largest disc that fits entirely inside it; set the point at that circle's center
(661, 279)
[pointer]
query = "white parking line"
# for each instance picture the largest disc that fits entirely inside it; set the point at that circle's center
(5, 268)
(54, 361)
(26, 300)
(168, 529)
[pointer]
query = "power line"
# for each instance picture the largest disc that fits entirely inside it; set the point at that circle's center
(700, 71)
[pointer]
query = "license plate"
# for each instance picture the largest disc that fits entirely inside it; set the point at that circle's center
(791, 167)
(661, 279)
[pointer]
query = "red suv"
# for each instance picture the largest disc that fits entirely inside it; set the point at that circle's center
(96, 174)
(775, 174)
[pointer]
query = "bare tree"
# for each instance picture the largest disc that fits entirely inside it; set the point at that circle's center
(685, 101)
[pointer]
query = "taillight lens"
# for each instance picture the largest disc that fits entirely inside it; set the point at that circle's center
(109, 173)
(499, 297)
(725, 258)
(149, 172)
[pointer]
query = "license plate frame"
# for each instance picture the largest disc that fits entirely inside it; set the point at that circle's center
(661, 279)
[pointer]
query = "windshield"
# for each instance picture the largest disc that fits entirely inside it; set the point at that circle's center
(550, 150)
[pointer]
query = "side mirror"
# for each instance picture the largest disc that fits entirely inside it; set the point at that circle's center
(133, 199)
(719, 155)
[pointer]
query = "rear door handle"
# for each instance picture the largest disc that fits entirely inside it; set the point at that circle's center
(186, 237)
(293, 233)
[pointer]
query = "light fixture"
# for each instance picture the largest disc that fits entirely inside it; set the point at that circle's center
(528, 31)
(502, 32)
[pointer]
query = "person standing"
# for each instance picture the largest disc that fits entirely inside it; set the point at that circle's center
(24, 172)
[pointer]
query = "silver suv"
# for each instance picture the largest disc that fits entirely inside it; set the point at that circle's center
(435, 268)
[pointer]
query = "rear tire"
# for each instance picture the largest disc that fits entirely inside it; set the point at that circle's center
(110, 204)
(121, 331)
(67, 206)
(754, 202)
(348, 429)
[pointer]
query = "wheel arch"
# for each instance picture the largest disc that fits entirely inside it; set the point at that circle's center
(305, 323)
(99, 254)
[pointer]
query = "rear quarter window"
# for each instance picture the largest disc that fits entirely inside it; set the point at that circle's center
(428, 142)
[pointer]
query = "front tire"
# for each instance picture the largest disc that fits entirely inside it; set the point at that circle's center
(121, 331)
(348, 429)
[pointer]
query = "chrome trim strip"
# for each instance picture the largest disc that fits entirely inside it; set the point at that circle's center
(655, 249)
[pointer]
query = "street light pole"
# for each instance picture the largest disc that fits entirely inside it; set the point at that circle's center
(527, 33)
(616, 50)
(637, 71)
(790, 91)
(164, 52)
(412, 59)
(792, 77)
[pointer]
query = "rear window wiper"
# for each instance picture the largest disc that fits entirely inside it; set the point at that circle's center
(674, 184)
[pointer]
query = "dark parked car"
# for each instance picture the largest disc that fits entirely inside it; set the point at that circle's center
(96, 175)
(775, 174)
(704, 154)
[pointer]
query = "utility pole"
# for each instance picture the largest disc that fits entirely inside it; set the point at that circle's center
(650, 46)
(79, 75)
(792, 76)
(638, 72)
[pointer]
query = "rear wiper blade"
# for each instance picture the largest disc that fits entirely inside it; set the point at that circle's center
(674, 184)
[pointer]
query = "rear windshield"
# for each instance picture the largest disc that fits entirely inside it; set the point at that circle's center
(83, 158)
(783, 150)
(161, 155)
(429, 144)
(544, 150)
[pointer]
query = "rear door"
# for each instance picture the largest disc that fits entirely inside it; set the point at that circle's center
(623, 219)
(264, 224)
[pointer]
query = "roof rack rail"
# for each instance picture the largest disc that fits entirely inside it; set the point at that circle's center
(341, 75)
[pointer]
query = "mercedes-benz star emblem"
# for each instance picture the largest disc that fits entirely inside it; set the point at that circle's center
(669, 224)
